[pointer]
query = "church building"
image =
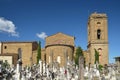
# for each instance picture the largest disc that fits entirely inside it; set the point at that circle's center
(60, 47)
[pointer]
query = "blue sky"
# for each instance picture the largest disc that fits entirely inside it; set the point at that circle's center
(26, 20)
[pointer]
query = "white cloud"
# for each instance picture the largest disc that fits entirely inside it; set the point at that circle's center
(42, 35)
(8, 26)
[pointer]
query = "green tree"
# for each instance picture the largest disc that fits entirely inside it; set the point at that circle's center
(39, 52)
(100, 67)
(79, 52)
(96, 56)
(5, 64)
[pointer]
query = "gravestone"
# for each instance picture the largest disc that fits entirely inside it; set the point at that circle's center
(40, 67)
(17, 75)
(81, 68)
(103, 77)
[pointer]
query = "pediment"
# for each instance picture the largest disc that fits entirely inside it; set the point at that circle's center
(60, 38)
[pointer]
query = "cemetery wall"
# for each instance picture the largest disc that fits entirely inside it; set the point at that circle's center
(14, 58)
(7, 58)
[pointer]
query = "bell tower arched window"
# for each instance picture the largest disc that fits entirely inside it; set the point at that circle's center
(98, 33)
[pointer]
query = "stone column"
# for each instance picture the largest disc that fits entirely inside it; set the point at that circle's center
(81, 68)
(20, 58)
(65, 57)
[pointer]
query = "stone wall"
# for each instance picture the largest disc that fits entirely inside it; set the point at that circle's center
(59, 53)
(103, 58)
(43, 53)
(34, 57)
(8, 59)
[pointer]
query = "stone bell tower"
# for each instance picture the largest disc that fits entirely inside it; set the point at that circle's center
(98, 37)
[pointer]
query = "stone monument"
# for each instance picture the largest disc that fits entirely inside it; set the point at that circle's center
(81, 68)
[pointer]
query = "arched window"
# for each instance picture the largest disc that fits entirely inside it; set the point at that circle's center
(58, 59)
(98, 33)
(98, 22)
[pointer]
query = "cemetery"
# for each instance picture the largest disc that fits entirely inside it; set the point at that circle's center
(60, 59)
(43, 71)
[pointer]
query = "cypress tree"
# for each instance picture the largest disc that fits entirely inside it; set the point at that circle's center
(39, 52)
(78, 53)
(96, 56)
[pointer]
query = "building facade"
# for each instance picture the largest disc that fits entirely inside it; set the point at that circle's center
(59, 48)
(10, 52)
